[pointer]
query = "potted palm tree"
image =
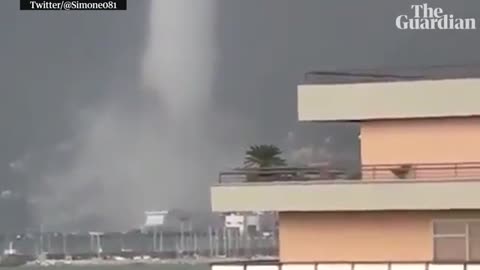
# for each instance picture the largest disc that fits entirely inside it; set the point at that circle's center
(402, 171)
(261, 157)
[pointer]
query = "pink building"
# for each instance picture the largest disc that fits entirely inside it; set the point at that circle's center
(417, 204)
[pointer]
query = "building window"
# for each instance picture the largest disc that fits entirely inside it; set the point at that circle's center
(456, 240)
(450, 241)
(474, 240)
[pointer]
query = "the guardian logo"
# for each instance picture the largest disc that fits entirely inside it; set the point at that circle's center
(428, 18)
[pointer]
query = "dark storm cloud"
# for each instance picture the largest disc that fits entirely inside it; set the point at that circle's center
(52, 65)
(57, 65)
(267, 46)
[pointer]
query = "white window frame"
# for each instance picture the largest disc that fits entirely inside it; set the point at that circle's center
(466, 235)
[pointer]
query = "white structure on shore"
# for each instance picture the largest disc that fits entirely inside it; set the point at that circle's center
(95, 241)
(243, 222)
(155, 220)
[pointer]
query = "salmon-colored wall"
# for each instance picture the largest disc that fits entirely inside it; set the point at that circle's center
(451, 140)
(420, 141)
(360, 236)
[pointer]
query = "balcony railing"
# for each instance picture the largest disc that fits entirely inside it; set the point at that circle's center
(434, 72)
(333, 77)
(387, 172)
(414, 265)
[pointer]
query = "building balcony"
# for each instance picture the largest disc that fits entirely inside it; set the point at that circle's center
(363, 97)
(434, 186)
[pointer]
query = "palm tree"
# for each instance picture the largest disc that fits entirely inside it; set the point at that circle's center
(262, 156)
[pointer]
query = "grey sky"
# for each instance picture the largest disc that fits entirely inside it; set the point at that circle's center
(63, 74)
